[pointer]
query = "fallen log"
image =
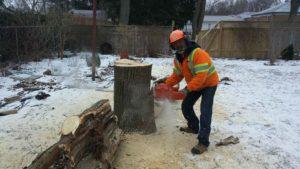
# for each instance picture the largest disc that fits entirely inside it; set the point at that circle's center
(80, 150)
(111, 140)
(93, 132)
(9, 100)
(31, 89)
(8, 112)
(47, 158)
(30, 84)
(25, 98)
(82, 121)
(30, 79)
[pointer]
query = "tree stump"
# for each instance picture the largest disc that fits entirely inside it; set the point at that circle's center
(133, 99)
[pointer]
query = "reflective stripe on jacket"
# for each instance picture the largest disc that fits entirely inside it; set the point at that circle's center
(197, 69)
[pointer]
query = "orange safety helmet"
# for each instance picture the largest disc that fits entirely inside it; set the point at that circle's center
(176, 35)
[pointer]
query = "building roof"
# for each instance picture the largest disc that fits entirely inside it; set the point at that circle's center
(280, 9)
(245, 15)
(88, 13)
(217, 18)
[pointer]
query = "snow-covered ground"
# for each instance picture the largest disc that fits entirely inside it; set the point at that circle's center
(260, 107)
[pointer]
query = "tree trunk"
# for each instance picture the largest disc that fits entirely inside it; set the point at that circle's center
(133, 100)
(125, 12)
(94, 34)
(61, 31)
(272, 53)
(198, 17)
(8, 112)
(295, 5)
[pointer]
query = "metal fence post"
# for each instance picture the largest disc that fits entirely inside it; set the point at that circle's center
(17, 45)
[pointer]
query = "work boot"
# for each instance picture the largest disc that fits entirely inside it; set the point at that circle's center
(188, 130)
(199, 149)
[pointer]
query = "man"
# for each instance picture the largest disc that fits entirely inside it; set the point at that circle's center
(195, 65)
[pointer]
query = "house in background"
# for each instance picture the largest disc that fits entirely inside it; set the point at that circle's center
(85, 17)
(281, 10)
(211, 21)
(261, 35)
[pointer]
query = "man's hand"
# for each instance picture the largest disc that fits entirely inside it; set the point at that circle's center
(185, 90)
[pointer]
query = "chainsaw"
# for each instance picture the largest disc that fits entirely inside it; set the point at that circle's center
(163, 91)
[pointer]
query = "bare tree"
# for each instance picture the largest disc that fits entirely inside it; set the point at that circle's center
(125, 12)
(275, 26)
(295, 4)
(94, 33)
(5, 5)
(32, 5)
(229, 7)
(198, 17)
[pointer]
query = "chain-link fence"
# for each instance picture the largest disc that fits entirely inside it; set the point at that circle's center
(22, 43)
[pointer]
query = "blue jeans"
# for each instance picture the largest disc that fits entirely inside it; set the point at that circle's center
(206, 112)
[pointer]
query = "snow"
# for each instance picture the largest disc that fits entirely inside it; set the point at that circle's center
(5, 85)
(37, 126)
(261, 107)
(277, 9)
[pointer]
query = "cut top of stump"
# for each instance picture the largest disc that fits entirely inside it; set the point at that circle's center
(130, 63)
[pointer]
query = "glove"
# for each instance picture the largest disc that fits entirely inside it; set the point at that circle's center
(185, 90)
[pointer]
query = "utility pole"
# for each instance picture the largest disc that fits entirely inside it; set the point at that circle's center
(198, 17)
(94, 33)
(125, 12)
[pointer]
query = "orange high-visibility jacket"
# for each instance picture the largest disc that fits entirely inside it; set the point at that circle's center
(197, 69)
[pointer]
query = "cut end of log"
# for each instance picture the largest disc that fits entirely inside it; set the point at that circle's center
(70, 125)
(129, 63)
(94, 131)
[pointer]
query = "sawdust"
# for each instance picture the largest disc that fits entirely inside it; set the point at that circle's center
(167, 148)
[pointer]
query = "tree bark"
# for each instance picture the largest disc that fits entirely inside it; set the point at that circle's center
(47, 158)
(8, 112)
(94, 34)
(198, 17)
(133, 100)
(125, 12)
(94, 132)
(272, 53)
(295, 5)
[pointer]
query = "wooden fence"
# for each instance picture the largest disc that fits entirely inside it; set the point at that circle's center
(21, 43)
(135, 40)
(25, 43)
(249, 39)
